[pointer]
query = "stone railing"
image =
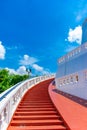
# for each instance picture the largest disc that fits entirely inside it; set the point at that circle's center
(68, 79)
(75, 83)
(10, 98)
(79, 50)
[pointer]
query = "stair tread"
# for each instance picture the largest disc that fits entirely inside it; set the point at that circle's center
(36, 122)
(38, 116)
(35, 106)
(36, 103)
(52, 111)
(33, 117)
(33, 121)
(45, 127)
(39, 101)
(36, 109)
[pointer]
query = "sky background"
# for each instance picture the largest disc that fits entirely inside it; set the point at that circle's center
(35, 33)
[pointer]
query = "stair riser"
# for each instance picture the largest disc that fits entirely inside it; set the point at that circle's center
(36, 118)
(26, 114)
(24, 107)
(33, 110)
(35, 124)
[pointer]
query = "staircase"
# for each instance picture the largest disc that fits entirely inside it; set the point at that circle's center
(36, 111)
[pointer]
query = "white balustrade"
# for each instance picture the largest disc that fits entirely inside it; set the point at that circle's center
(11, 97)
(82, 48)
(75, 83)
(68, 79)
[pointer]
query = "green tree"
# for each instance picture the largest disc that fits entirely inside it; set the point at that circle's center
(7, 80)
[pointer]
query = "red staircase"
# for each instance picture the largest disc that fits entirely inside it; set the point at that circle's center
(37, 112)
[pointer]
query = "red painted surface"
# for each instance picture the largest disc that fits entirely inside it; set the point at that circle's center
(37, 112)
(73, 113)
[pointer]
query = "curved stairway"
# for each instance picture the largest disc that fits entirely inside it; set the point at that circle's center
(36, 111)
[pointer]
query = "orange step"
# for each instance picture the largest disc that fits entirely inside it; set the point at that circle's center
(37, 112)
(35, 109)
(36, 122)
(33, 117)
(34, 106)
(45, 127)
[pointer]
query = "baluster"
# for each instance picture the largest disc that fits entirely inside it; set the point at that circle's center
(0, 122)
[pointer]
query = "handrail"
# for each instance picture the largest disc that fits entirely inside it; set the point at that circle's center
(11, 97)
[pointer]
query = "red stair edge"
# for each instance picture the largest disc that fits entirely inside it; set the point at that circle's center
(73, 114)
(54, 127)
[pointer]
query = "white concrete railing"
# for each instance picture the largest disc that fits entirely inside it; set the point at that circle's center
(82, 48)
(68, 79)
(75, 83)
(10, 98)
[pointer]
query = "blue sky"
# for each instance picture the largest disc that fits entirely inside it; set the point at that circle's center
(35, 33)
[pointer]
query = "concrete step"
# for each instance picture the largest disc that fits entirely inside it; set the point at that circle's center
(36, 113)
(36, 106)
(35, 117)
(45, 127)
(36, 122)
(35, 109)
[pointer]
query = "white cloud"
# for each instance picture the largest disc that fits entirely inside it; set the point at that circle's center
(11, 71)
(27, 60)
(2, 51)
(21, 70)
(46, 72)
(40, 70)
(75, 35)
(37, 67)
(31, 61)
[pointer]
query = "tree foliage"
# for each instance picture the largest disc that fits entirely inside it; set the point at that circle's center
(7, 80)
